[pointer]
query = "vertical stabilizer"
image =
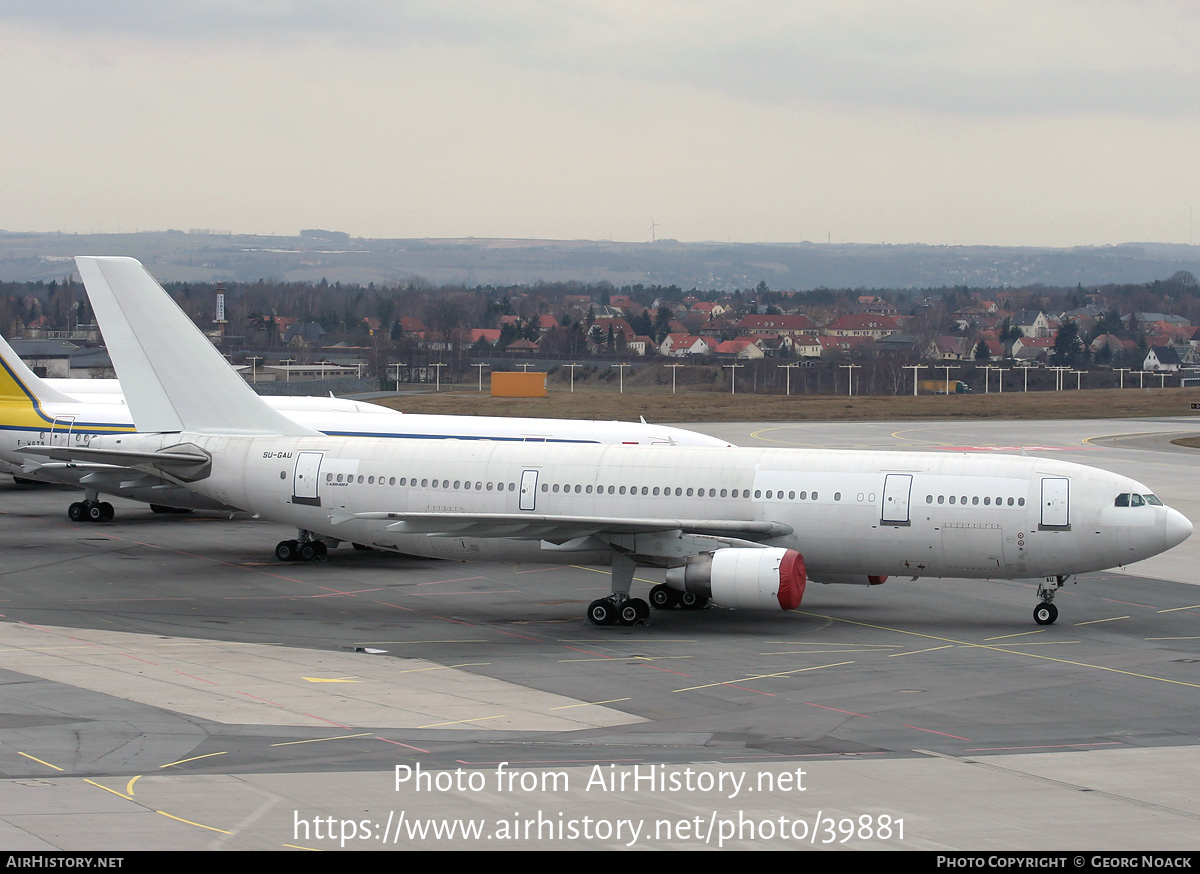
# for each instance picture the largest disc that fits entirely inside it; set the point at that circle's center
(173, 377)
(19, 384)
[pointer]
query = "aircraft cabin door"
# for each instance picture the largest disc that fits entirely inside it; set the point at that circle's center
(1056, 502)
(896, 490)
(529, 480)
(60, 432)
(304, 484)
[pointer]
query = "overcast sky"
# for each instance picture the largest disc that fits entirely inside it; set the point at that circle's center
(1007, 123)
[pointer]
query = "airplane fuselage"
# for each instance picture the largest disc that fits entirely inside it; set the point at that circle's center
(851, 513)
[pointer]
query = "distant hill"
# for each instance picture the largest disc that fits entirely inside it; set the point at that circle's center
(337, 257)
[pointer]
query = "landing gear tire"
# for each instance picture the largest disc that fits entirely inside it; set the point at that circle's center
(602, 612)
(633, 611)
(95, 511)
(688, 601)
(286, 550)
(664, 597)
(77, 512)
(107, 512)
(1045, 613)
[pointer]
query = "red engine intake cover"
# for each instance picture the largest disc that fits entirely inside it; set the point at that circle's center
(792, 577)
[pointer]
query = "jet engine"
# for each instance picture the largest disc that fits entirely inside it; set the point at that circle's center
(756, 579)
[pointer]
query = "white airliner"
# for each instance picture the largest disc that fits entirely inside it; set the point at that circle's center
(36, 412)
(744, 527)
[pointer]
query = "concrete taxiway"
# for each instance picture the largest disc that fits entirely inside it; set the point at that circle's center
(165, 683)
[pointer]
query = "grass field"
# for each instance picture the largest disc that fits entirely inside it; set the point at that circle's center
(710, 406)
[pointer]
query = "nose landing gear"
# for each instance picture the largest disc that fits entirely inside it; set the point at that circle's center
(1045, 613)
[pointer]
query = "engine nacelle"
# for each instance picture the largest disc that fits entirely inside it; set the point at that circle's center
(756, 579)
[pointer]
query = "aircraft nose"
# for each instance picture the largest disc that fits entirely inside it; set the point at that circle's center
(1178, 526)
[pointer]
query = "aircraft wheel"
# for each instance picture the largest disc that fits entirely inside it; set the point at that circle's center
(633, 611)
(95, 512)
(1045, 613)
(285, 550)
(320, 550)
(77, 512)
(688, 601)
(664, 597)
(107, 512)
(307, 551)
(602, 612)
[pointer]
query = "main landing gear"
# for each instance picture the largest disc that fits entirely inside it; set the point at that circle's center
(304, 549)
(618, 608)
(91, 511)
(1045, 613)
(610, 611)
(663, 597)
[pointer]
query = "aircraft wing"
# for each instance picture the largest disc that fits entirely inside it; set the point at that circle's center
(561, 529)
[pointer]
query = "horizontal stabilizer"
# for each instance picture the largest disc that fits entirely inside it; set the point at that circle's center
(182, 463)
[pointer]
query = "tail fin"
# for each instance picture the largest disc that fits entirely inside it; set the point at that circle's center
(173, 377)
(19, 384)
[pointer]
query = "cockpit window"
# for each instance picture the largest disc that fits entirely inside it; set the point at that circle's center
(1128, 500)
